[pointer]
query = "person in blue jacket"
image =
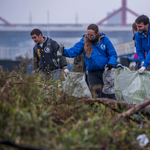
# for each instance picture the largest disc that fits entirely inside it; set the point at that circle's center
(142, 39)
(98, 52)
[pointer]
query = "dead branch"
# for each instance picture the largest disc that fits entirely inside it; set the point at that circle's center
(113, 104)
(5, 85)
(118, 106)
(132, 110)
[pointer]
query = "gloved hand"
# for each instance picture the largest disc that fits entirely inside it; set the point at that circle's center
(66, 71)
(120, 66)
(109, 66)
(142, 63)
(141, 70)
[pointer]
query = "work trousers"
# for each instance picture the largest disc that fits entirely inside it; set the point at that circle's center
(54, 75)
(95, 81)
(138, 65)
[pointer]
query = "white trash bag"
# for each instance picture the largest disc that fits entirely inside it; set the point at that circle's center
(75, 85)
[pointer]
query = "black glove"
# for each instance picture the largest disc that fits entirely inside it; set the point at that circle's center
(109, 66)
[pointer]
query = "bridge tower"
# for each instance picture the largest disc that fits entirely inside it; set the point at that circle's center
(123, 10)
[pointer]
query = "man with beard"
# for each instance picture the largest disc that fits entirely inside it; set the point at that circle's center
(45, 56)
(98, 52)
(142, 39)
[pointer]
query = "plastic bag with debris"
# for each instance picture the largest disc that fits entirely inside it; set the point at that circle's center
(75, 85)
(118, 92)
(108, 79)
(130, 86)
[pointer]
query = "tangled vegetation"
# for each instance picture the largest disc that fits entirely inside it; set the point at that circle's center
(43, 117)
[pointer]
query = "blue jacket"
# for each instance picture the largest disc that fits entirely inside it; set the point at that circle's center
(142, 46)
(97, 60)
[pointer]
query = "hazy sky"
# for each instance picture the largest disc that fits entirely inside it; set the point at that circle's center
(66, 11)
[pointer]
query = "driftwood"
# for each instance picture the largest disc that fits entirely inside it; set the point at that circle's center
(132, 110)
(118, 106)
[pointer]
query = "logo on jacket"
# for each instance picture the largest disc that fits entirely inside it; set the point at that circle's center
(39, 54)
(47, 49)
(103, 46)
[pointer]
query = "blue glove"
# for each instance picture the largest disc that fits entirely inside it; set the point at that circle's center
(120, 66)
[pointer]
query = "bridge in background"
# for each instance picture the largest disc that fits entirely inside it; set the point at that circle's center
(62, 28)
(15, 37)
(123, 9)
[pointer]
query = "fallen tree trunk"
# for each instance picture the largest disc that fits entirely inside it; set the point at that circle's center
(118, 106)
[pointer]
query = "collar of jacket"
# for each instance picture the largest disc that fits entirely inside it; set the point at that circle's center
(45, 39)
(102, 35)
(96, 41)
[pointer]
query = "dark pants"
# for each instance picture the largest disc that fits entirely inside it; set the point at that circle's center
(138, 65)
(53, 75)
(95, 81)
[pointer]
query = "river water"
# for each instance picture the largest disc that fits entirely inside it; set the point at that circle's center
(19, 43)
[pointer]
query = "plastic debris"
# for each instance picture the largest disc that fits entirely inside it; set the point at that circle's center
(143, 140)
(75, 85)
(130, 86)
(108, 78)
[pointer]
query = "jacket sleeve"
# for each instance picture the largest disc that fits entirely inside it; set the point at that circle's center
(147, 60)
(55, 46)
(76, 50)
(139, 49)
(79, 64)
(35, 59)
(63, 61)
(111, 52)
